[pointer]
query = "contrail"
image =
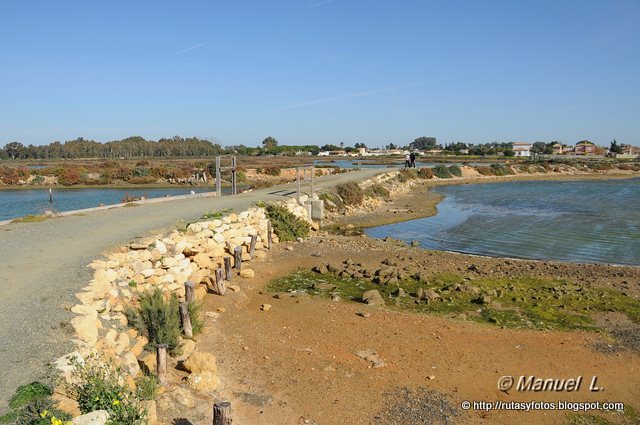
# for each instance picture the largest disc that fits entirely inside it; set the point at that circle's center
(320, 3)
(344, 96)
(188, 49)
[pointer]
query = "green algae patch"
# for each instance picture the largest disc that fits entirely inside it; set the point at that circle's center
(521, 302)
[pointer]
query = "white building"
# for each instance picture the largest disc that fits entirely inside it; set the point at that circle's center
(522, 148)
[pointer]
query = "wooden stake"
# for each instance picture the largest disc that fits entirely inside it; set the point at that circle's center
(218, 179)
(222, 413)
(50, 197)
(227, 268)
(161, 363)
(234, 190)
(269, 235)
(189, 291)
(186, 320)
(252, 247)
(220, 286)
(237, 260)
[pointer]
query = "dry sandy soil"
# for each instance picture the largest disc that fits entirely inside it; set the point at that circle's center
(296, 362)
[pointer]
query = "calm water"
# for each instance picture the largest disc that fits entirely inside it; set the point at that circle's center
(578, 221)
(18, 203)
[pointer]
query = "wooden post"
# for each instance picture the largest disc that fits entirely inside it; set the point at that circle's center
(218, 179)
(269, 235)
(161, 363)
(186, 320)
(298, 184)
(237, 257)
(220, 287)
(189, 291)
(313, 175)
(227, 268)
(222, 413)
(252, 247)
(233, 176)
(50, 197)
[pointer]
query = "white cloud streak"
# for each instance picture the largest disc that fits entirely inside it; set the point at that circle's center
(320, 3)
(344, 96)
(188, 49)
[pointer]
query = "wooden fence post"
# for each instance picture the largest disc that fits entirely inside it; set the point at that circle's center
(189, 291)
(220, 287)
(298, 184)
(234, 190)
(252, 247)
(222, 413)
(227, 268)
(161, 363)
(237, 257)
(269, 235)
(218, 179)
(186, 320)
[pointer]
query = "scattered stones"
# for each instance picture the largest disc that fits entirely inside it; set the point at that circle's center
(199, 362)
(247, 273)
(265, 307)
(364, 314)
(371, 356)
(97, 417)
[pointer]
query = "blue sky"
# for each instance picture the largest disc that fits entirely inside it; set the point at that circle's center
(320, 71)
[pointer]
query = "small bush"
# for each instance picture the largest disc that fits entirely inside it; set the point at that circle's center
(99, 386)
(351, 193)
(376, 191)
(157, 319)
(499, 170)
(285, 224)
(270, 170)
(142, 180)
(69, 176)
(484, 170)
(455, 170)
(425, 173)
(441, 171)
(407, 174)
(331, 202)
(32, 404)
(146, 387)
(194, 314)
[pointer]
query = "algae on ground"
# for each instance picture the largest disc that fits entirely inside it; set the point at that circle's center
(521, 302)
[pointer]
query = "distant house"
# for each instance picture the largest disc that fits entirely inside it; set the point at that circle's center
(556, 149)
(584, 147)
(522, 148)
(628, 149)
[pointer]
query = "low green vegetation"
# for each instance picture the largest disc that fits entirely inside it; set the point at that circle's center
(285, 224)
(32, 404)
(351, 193)
(29, 219)
(159, 319)
(513, 302)
(216, 215)
(627, 417)
(407, 174)
(332, 202)
(455, 170)
(99, 386)
(441, 171)
(376, 191)
(425, 173)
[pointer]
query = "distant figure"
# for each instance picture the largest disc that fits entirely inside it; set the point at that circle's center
(412, 157)
(407, 161)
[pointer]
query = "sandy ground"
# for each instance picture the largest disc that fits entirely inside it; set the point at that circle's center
(296, 363)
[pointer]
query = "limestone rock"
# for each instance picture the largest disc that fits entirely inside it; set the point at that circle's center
(98, 417)
(372, 297)
(205, 381)
(200, 362)
(85, 328)
(247, 273)
(130, 364)
(186, 348)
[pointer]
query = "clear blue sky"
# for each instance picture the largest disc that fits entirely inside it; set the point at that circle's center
(320, 71)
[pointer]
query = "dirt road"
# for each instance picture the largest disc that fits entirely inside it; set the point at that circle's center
(42, 266)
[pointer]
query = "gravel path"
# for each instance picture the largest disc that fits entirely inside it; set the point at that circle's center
(42, 266)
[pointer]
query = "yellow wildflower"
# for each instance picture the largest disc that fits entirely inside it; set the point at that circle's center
(116, 402)
(44, 413)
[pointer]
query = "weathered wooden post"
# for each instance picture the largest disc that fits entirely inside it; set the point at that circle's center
(237, 257)
(313, 174)
(50, 196)
(189, 291)
(220, 288)
(298, 184)
(218, 179)
(222, 413)
(186, 320)
(252, 247)
(233, 176)
(161, 363)
(269, 235)
(227, 268)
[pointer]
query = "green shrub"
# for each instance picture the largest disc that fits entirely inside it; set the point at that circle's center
(442, 172)
(157, 319)
(285, 224)
(425, 173)
(484, 170)
(499, 170)
(194, 314)
(407, 174)
(376, 191)
(146, 387)
(32, 404)
(351, 193)
(100, 386)
(455, 170)
(332, 202)
(270, 170)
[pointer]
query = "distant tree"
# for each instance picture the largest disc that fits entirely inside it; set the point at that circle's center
(424, 143)
(341, 145)
(360, 145)
(538, 147)
(392, 146)
(350, 149)
(329, 148)
(269, 143)
(615, 147)
(15, 150)
(509, 152)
